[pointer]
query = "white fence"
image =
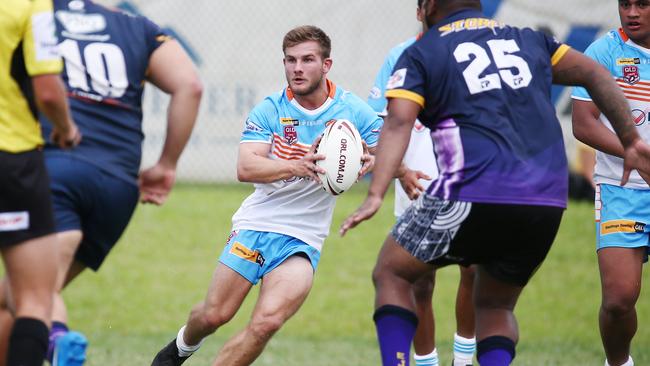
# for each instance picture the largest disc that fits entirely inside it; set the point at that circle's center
(237, 47)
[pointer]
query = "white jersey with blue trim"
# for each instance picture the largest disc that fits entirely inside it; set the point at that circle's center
(298, 207)
(628, 63)
(419, 155)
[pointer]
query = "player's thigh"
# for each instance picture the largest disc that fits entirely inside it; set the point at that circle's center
(285, 288)
(620, 272)
(494, 293)
(31, 270)
(226, 292)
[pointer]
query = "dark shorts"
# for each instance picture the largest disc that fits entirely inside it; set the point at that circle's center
(88, 199)
(509, 241)
(25, 203)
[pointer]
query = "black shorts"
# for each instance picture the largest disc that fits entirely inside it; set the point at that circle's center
(509, 241)
(25, 203)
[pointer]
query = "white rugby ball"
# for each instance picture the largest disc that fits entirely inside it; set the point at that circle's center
(342, 147)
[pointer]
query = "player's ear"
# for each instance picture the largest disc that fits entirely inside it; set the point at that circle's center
(327, 65)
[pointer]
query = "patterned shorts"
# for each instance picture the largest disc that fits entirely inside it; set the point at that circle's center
(509, 241)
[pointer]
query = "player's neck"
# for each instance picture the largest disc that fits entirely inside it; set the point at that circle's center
(314, 99)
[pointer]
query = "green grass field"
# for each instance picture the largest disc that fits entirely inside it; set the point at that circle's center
(164, 262)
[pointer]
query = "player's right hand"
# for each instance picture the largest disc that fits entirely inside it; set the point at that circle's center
(66, 139)
(636, 156)
(410, 182)
(368, 209)
(155, 184)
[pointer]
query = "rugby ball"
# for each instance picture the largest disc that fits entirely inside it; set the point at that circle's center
(342, 147)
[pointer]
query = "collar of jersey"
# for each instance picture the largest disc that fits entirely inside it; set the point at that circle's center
(458, 15)
(631, 43)
(331, 87)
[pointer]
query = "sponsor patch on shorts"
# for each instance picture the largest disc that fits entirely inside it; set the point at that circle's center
(621, 226)
(243, 252)
(14, 221)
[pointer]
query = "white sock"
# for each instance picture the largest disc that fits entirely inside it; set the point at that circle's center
(464, 349)
(629, 362)
(185, 350)
(427, 360)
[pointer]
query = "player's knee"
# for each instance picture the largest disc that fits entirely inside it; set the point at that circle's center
(263, 327)
(423, 290)
(618, 306)
(214, 318)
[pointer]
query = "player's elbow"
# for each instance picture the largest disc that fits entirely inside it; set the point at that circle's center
(244, 173)
(49, 92)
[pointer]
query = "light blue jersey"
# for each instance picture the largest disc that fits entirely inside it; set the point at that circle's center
(629, 65)
(377, 99)
(298, 207)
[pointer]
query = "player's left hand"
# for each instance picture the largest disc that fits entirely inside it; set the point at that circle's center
(367, 210)
(368, 161)
(410, 182)
(636, 156)
(155, 184)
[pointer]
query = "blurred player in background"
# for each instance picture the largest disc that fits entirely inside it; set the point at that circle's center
(108, 56)
(622, 213)
(484, 89)
(279, 230)
(419, 169)
(29, 79)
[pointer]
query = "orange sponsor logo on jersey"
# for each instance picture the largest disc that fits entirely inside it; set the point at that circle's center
(621, 226)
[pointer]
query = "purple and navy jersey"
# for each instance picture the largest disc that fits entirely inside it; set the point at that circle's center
(484, 88)
(106, 55)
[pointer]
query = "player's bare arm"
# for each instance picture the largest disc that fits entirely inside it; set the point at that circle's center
(254, 165)
(172, 71)
(588, 128)
(577, 69)
(393, 141)
(49, 93)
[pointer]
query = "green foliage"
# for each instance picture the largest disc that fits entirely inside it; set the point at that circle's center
(164, 262)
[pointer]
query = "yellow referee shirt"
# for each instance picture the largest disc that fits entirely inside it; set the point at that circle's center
(27, 48)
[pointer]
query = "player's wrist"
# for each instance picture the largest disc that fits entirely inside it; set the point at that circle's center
(167, 163)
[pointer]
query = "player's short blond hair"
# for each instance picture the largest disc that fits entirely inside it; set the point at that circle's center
(306, 33)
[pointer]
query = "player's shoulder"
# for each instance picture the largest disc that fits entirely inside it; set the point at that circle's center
(397, 51)
(270, 105)
(606, 43)
(352, 100)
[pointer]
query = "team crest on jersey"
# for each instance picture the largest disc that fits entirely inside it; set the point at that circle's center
(248, 254)
(631, 74)
(290, 134)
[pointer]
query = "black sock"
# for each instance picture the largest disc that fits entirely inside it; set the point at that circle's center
(27, 343)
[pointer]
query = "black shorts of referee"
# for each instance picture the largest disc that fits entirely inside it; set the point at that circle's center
(25, 202)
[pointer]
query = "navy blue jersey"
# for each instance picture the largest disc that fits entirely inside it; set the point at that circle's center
(106, 54)
(485, 92)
